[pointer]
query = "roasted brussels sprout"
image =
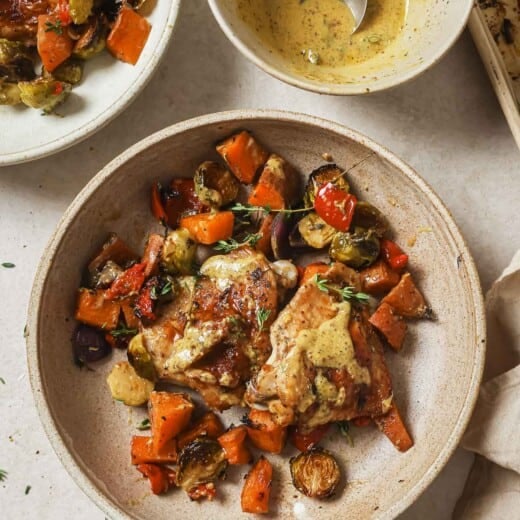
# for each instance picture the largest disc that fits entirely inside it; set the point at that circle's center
(107, 275)
(16, 63)
(89, 344)
(358, 249)
(140, 358)
(315, 473)
(178, 253)
(369, 217)
(127, 386)
(201, 461)
(9, 93)
(323, 175)
(69, 71)
(92, 41)
(80, 10)
(315, 231)
(44, 93)
(215, 185)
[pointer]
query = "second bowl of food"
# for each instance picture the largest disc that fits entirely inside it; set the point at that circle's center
(310, 44)
(304, 283)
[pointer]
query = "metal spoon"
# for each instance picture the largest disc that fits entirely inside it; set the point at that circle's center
(358, 9)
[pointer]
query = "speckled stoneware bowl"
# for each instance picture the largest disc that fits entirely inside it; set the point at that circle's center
(436, 377)
(431, 28)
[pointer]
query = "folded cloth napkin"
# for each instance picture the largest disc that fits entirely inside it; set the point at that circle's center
(492, 490)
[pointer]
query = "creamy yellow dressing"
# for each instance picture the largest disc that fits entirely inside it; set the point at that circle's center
(314, 36)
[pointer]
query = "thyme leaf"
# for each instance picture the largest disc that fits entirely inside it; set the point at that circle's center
(230, 245)
(54, 27)
(144, 425)
(346, 293)
(123, 330)
(3, 475)
(262, 316)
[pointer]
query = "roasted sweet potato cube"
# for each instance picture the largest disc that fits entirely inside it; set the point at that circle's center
(390, 324)
(407, 300)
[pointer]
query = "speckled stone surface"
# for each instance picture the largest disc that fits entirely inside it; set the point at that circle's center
(446, 124)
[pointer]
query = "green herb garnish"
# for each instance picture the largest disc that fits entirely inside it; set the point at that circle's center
(123, 330)
(144, 425)
(27, 489)
(262, 316)
(8, 265)
(2, 380)
(230, 245)
(3, 475)
(345, 293)
(250, 210)
(54, 27)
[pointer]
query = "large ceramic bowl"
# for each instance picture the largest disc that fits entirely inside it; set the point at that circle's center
(431, 28)
(436, 377)
(107, 88)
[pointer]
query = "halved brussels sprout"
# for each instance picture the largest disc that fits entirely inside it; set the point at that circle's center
(215, 185)
(201, 461)
(358, 249)
(92, 41)
(9, 93)
(315, 231)
(80, 10)
(44, 93)
(16, 63)
(140, 358)
(178, 252)
(369, 217)
(320, 177)
(315, 473)
(127, 386)
(70, 71)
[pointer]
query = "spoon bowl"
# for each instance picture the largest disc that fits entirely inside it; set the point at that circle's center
(358, 8)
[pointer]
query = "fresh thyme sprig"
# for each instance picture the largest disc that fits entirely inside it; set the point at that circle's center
(166, 288)
(122, 330)
(230, 245)
(54, 27)
(345, 293)
(144, 425)
(262, 316)
(3, 475)
(251, 210)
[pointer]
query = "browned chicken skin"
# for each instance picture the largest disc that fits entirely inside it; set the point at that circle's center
(209, 338)
(327, 362)
(19, 18)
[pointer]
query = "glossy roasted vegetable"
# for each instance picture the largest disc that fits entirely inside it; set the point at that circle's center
(140, 358)
(320, 177)
(369, 217)
(44, 93)
(127, 386)
(16, 63)
(80, 10)
(92, 40)
(107, 275)
(71, 71)
(9, 93)
(201, 461)
(315, 231)
(215, 185)
(178, 253)
(89, 344)
(315, 473)
(358, 249)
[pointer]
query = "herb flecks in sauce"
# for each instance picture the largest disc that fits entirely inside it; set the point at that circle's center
(316, 35)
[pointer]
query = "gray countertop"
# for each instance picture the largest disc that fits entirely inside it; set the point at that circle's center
(446, 124)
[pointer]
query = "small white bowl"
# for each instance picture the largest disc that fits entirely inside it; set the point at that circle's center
(431, 28)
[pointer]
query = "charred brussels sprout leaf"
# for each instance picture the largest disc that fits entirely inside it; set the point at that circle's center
(201, 461)
(44, 93)
(369, 217)
(140, 358)
(71, 71)
(215, 185)
(178, 254)
(315, 231)
(16, 63)
(315, 473)
(358, 249)
(320, 177)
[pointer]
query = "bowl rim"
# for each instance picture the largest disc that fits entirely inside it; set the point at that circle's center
(92, 125)
(341, 89)
(72, 464)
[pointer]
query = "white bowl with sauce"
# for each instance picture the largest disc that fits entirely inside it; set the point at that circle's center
(309, 43)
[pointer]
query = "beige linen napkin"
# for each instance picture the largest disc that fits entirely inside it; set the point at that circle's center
(492, 490)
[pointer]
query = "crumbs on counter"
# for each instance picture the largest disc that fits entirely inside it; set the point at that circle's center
(327, 157)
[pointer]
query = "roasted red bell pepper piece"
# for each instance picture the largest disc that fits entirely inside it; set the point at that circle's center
(394, 255)
(63, 12)
(335, 206)
(127, 283)
(157, 206)
(161, 479)
(180, 199)
(305, 441)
